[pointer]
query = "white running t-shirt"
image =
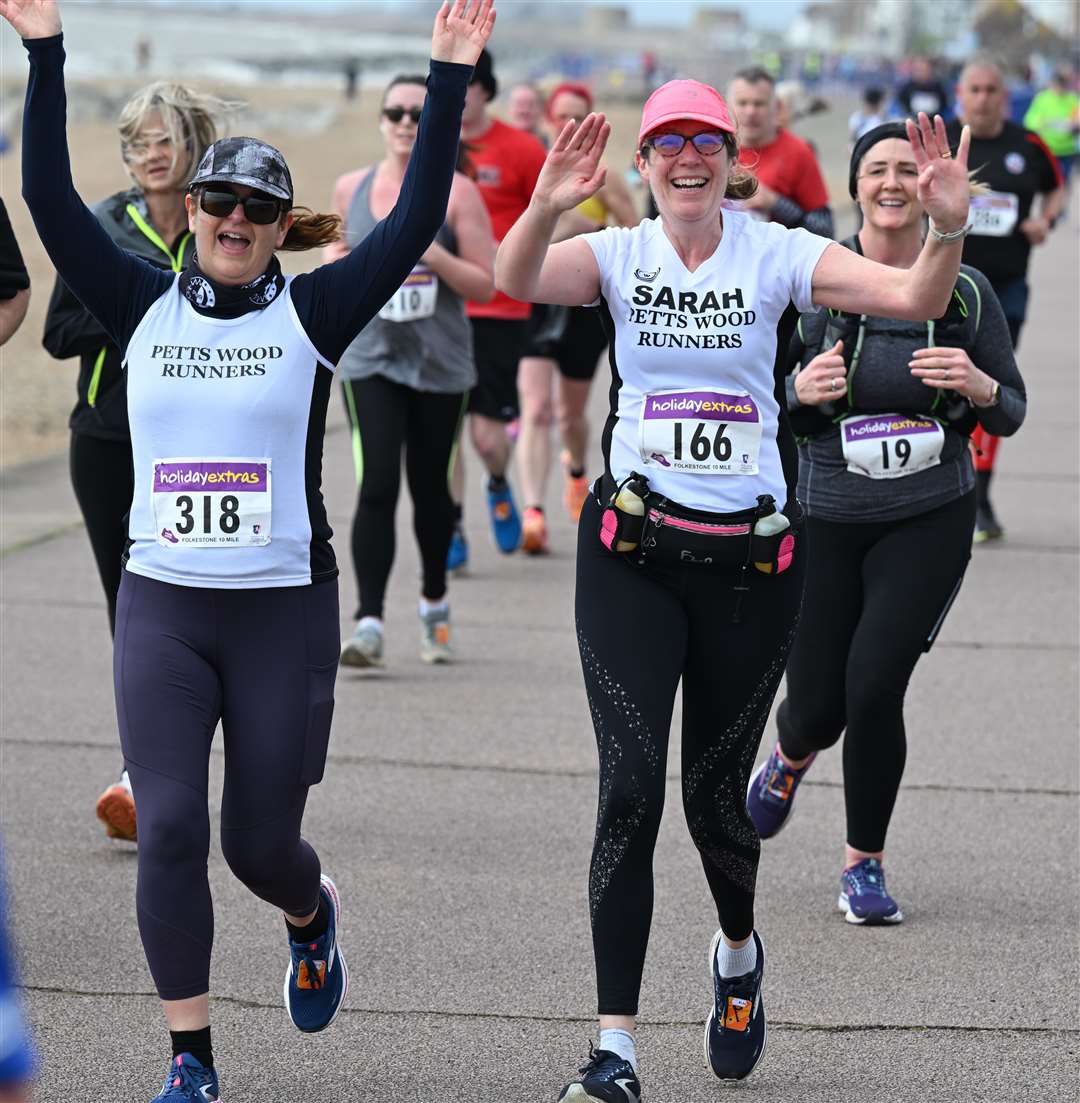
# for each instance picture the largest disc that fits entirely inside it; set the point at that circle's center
(693, 397)
(227, 469)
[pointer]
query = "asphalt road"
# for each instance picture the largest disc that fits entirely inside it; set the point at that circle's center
(457, 817)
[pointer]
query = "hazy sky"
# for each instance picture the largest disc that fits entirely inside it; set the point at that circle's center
(760, 13)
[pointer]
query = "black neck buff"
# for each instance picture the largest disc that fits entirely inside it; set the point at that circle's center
(220, 300)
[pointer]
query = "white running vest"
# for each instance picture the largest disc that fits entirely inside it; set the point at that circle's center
(693, 405)
(219, 412)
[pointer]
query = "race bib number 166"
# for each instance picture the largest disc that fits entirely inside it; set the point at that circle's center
(701, 432)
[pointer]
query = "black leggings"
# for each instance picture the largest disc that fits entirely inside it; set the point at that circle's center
(641, 631)
(104, 482)
(874, 595)
(385, 417)
(263, 662)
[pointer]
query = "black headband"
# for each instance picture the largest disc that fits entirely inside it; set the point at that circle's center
(869, 139)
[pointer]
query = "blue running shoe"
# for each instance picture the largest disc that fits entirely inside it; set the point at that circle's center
(505, 522)
(605, 1078)
(188, 1080)
(771, 793)
(317, 979)
(863, 898)
(735, 1031)
(457, 558)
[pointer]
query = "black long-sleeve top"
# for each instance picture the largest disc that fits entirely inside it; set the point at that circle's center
(333, 303)
(272, 415)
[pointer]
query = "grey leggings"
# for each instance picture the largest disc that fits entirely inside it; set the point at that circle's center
(263, 663)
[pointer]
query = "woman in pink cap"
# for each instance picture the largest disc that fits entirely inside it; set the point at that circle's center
(690, 548)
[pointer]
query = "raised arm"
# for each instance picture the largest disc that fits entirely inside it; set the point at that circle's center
(527, 266)
(469, 272)
(847, 281)
(344, 190)
(337, 300)
(115, 286)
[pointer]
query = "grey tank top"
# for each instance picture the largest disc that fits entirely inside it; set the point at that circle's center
(421, 338)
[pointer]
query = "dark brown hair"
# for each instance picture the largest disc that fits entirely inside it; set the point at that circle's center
(310, 230)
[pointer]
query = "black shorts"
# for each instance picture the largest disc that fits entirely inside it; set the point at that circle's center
(498, 345)
(572, 336)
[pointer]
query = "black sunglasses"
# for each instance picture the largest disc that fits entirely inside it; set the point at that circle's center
(258, 209)
(671, 145)
(396, 114)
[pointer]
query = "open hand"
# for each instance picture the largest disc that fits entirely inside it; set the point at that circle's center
(572, 172)
(32, 18)
(824, 379)
(462, 30)
(951, 369)
(944, 189)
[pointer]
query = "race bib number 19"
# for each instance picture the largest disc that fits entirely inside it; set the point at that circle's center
(218, 503)
(701, 432)
(890, 446)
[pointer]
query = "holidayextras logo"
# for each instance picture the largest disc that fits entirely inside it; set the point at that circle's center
(705, 405)
(212, 475)
(873, 428)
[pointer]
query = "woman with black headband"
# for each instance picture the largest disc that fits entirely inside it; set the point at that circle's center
(228, 604)
(883, 409)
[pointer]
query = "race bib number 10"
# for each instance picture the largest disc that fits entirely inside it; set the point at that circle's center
(414, 299)
(701, 432)
(890, 446)
(212, 503)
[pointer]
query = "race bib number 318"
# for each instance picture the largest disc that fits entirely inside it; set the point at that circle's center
(212, 503)
(702, 432)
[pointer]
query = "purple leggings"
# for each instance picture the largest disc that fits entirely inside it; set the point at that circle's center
(263, 663)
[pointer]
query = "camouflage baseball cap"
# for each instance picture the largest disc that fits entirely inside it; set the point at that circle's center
(245, 161)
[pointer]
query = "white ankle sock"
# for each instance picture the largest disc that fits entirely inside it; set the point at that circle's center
(620, 1042)
(429, 607)
(370, 622)
(736, 963)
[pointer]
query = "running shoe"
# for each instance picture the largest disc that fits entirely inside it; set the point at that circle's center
(863, 898)
(987, 526)
(505, 522)
(605, 1078)
(534, 534)
(457, 558)
(735, 1031)
(364, 648)
(771, 793)
(116, 810)
(187, 1079)
(576, 490)
(317, 979)
(435, 636)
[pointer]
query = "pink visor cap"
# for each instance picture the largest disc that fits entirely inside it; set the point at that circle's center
(685, 99)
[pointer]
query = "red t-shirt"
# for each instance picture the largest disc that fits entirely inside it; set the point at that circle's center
(508, 162)
(788, 166)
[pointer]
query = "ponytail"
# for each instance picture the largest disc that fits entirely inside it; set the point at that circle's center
(311, 230)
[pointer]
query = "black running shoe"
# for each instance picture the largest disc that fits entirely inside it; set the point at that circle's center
(607, 1078)
(735, 1031)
